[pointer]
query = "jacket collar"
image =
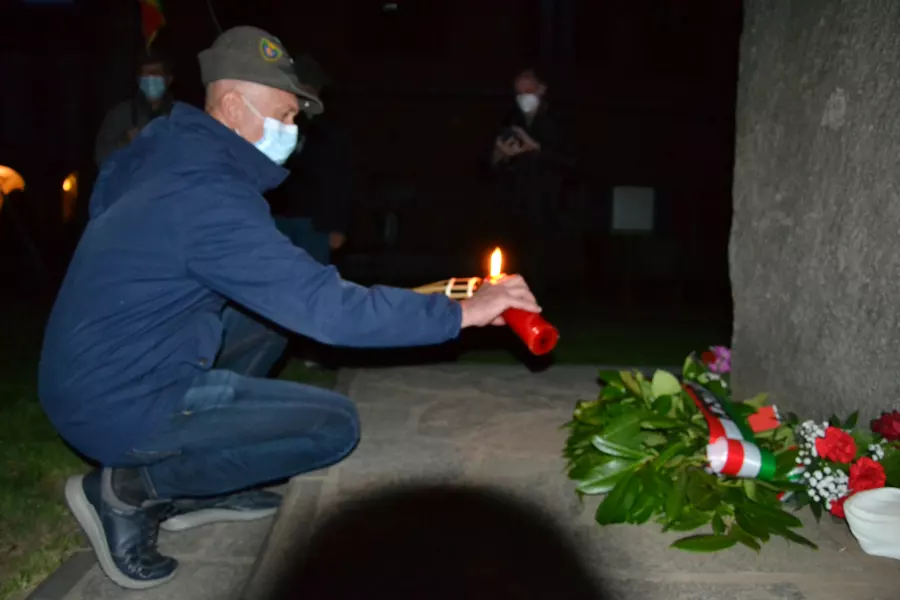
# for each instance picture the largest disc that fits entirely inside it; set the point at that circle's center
(256, 166)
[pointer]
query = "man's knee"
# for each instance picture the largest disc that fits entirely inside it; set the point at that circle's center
(345, 429)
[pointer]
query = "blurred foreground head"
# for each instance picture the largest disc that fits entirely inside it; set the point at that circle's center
(438, 542)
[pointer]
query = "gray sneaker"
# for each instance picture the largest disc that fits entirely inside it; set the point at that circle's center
(123, 536)
(243, 506)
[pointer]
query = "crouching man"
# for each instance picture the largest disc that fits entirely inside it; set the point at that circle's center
(167, 323)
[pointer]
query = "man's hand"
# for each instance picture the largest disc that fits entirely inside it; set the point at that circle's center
(336, 240)
(487, 305)
(132, 133)
(508, 147)
(528, 143)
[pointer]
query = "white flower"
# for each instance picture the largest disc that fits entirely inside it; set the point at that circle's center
(807, 461)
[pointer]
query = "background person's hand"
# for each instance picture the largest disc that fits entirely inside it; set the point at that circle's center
(489, 302)
(528, 143)
(336, 240)
(509, 147)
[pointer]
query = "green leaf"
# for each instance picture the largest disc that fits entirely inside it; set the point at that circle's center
(757, 401)
(613, 378)
(652, 440)
(850, 423)
(676, 497)
(602, 478)
(662, 405)
(718, 525)
(891, 464)
(611, 392)
(676, 449)
(703, 491)
(617, 505)
(738, 533)
(786, 461)
(630, 383)
(690, 520)
(796, 538)
(816, 509)
(774, 516)
(659, 422)
(648, 501)
(609, 447)
(705, 543)
(749, 488)
(623, 429)
(664, 384)
(834, 421)
(754, 528)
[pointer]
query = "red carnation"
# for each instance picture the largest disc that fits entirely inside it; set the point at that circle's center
(837, 507)
(708, 358)
(888, 426)
(837, 445)
(866, 474)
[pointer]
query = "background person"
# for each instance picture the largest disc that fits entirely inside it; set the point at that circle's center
(125, 120)
(532, 158)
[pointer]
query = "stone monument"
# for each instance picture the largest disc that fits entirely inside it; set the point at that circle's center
(815, 243)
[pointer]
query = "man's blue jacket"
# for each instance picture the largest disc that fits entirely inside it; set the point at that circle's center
(178, 227)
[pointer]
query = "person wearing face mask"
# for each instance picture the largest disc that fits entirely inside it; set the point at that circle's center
(125, 120)
(531, 156)
(173, 312)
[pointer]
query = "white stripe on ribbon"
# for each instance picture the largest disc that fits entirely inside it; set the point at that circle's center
(752, 461)
(731, 430)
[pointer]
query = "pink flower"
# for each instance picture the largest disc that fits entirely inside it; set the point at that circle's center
(722, 362)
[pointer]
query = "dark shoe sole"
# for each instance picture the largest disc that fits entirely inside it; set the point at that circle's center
(90, 522)
(214, 515)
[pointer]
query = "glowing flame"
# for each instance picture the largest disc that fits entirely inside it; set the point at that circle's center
(496, 263)
(67, 184)
(10, 180)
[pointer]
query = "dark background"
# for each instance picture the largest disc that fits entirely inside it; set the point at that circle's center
(648, 86)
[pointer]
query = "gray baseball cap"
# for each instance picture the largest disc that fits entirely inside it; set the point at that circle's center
(250, 54)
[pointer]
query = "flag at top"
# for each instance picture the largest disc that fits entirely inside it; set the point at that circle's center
(152, 19)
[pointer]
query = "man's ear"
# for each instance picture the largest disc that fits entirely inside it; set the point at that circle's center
(232, 107)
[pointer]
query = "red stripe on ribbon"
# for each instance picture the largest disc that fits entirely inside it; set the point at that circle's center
(716, 429)
(735, 458)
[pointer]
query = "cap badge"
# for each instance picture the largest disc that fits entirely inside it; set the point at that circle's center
(269, 50)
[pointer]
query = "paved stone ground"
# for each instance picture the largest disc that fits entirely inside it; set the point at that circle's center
(497, 425)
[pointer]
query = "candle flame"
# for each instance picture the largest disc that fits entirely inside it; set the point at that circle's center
(496, 263)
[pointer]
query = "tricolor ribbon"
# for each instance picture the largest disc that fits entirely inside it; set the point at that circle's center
(731, 449)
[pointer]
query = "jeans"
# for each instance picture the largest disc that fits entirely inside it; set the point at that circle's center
(302, 234)
(234, 429)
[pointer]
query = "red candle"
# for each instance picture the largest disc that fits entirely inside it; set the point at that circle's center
(539, 336)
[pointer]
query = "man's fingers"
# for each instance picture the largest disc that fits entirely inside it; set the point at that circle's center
(524, 304)
(509, 280)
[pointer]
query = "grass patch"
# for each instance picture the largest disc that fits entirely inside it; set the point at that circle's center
(36, 531)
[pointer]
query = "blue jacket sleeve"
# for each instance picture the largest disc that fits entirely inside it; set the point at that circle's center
(231, 245)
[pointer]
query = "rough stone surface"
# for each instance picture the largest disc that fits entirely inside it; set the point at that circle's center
(499, 426)
(813, 253)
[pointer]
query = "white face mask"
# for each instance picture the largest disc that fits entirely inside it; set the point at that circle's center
(278, 140)
(528, 103)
